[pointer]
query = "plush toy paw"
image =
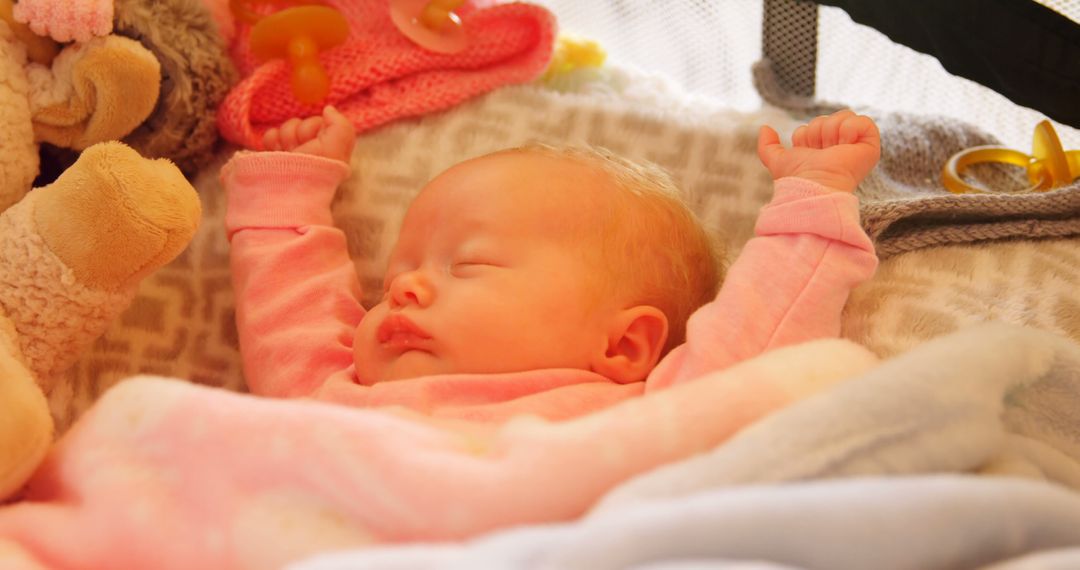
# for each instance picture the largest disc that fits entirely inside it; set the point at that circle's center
(93, 92)
(74, 251)
(26, 428)
(114, 217)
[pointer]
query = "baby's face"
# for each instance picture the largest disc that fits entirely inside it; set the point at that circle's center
(488, 274)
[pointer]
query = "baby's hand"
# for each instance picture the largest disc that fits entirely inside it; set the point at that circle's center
(836, 151)
(330, 136)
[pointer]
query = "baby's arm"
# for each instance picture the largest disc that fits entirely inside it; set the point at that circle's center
(790, 283)
(296, 288)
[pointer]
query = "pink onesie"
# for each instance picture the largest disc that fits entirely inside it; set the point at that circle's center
(165, 474)
(297, 299)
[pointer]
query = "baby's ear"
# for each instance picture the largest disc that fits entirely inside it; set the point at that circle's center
(636, 338)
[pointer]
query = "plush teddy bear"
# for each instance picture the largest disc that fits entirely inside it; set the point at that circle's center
(197, 73)
(169, 111)
(72, 252)
(71, 96)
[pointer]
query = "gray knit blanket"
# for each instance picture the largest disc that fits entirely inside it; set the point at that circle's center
(905, 206)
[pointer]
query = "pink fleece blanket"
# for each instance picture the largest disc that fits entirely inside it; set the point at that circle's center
(378, 75)
(166, 474)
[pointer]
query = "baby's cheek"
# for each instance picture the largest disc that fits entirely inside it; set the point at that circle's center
(362, 339)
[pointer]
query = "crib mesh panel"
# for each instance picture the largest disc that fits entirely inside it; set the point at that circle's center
(860, 66)
(1068, 8)
(709, 47)
(789, 30)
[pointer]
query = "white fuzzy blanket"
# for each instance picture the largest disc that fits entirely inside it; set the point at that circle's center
(849, 479)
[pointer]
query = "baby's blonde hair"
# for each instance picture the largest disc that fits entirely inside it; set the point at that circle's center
(651, 241)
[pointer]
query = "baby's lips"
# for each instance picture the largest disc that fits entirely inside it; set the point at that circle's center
(401, 328)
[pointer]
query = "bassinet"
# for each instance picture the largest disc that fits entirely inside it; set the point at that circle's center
(941, 276)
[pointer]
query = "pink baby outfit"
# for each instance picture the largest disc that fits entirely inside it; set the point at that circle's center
(297, 299)
(165, 474)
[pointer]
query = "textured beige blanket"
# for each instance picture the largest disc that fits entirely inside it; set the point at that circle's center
(181, 323)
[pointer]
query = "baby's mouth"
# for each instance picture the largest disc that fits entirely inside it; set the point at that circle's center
(397, 331)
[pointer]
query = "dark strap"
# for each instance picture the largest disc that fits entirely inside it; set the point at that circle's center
(1019, 48)
(789, 43)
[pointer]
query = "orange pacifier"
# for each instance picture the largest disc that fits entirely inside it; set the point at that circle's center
(430, 24)
(297, 34)
(1048, 166)
(300, 34)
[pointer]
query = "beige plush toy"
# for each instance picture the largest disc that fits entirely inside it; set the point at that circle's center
(71, 256)
(72, 252)
(70, 95)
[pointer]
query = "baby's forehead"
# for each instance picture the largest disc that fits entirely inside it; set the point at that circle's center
(511, 195)
(517, 179)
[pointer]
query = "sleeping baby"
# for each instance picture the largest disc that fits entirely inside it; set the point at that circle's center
(538, 279)
(528, 287)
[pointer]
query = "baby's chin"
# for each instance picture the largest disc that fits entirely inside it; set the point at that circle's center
(411, 364)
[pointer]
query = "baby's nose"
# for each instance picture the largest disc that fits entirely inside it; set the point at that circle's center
(411, 288)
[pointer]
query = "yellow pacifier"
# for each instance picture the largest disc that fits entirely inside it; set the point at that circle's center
(431, 24)
(572, 53)
(1048, 166)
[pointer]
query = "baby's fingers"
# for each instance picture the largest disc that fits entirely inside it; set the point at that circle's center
(308, 129)
(333, 116)
(813, 133)
(271, 140)
(831, 126)
(296, 132)
(287, 134)
(859, 129)
(769, 148)
(798, 138)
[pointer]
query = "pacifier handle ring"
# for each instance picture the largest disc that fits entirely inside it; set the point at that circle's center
(1046, 148)
(952, 174)
(1048, 166)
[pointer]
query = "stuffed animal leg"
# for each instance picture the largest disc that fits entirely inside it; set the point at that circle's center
(18, 151)
(26, 428)
(74, 251)
(71, 256)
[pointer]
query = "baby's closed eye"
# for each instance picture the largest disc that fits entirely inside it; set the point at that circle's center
(469, 267)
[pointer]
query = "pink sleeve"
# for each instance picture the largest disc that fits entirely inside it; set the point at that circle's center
(788, 285)
(296, 288)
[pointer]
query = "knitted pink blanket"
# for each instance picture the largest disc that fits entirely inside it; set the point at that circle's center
(378, 75)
